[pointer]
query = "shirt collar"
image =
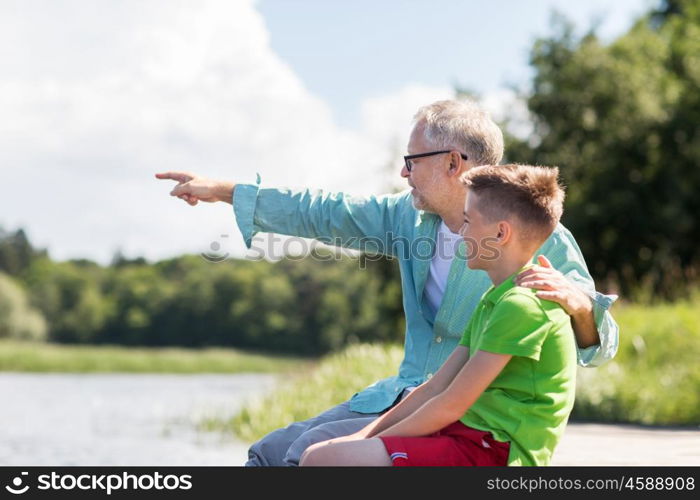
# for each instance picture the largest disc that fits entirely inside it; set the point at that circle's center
(424, 216)
(494, 293)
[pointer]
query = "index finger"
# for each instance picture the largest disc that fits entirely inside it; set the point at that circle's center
(176, 176)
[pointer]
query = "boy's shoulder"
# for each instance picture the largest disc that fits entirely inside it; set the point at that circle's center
(515, 321)
(526, 301)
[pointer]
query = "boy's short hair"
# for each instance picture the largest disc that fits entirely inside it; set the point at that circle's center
(532, 195)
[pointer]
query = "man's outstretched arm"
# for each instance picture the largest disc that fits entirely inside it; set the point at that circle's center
(362, 223)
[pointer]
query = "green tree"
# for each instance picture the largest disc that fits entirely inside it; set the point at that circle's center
(622, 121)
(16, 252)
(135, 295)
(70, 298)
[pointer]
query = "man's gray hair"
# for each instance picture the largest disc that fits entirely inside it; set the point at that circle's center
(465, 126)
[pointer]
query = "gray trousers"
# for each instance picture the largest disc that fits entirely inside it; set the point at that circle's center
(284, 447)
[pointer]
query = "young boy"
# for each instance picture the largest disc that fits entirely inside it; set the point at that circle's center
(503, 397)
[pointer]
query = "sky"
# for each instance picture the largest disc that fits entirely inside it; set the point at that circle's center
(96, 97)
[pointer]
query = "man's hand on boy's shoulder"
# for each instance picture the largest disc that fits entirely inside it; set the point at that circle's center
(553, 285)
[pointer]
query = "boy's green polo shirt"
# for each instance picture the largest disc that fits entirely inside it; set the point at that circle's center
(529, 402)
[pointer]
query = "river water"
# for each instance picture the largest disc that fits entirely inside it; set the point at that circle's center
(121, 419)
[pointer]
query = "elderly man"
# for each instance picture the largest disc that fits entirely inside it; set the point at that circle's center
(439, 291)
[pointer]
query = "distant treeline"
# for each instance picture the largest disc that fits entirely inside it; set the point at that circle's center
(308, 306)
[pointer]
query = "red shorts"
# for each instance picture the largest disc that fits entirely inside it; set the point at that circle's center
(455, 445)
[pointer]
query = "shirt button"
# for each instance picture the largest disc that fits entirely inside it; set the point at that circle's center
(438, 339)
(429, 376)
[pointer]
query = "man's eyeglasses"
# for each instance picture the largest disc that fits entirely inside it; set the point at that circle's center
(409, 163)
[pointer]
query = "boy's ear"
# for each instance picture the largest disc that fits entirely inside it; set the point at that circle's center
(505, 232)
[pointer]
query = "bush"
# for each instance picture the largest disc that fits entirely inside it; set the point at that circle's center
(18, 320)
(655, 377)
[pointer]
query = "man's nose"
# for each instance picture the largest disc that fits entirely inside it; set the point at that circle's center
(404, 172)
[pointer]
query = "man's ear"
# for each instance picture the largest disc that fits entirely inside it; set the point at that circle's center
(457, 166)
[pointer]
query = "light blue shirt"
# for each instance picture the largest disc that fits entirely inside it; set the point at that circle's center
(391, 225)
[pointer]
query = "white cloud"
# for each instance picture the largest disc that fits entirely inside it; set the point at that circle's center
(97, 97)
(387, 123)
(509, 109)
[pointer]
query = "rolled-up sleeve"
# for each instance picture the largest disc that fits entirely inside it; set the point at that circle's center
(608, 331)
(244, 199)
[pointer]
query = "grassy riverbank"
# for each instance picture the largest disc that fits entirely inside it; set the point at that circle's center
(336, 378)
(40, 357)
(654, 379)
